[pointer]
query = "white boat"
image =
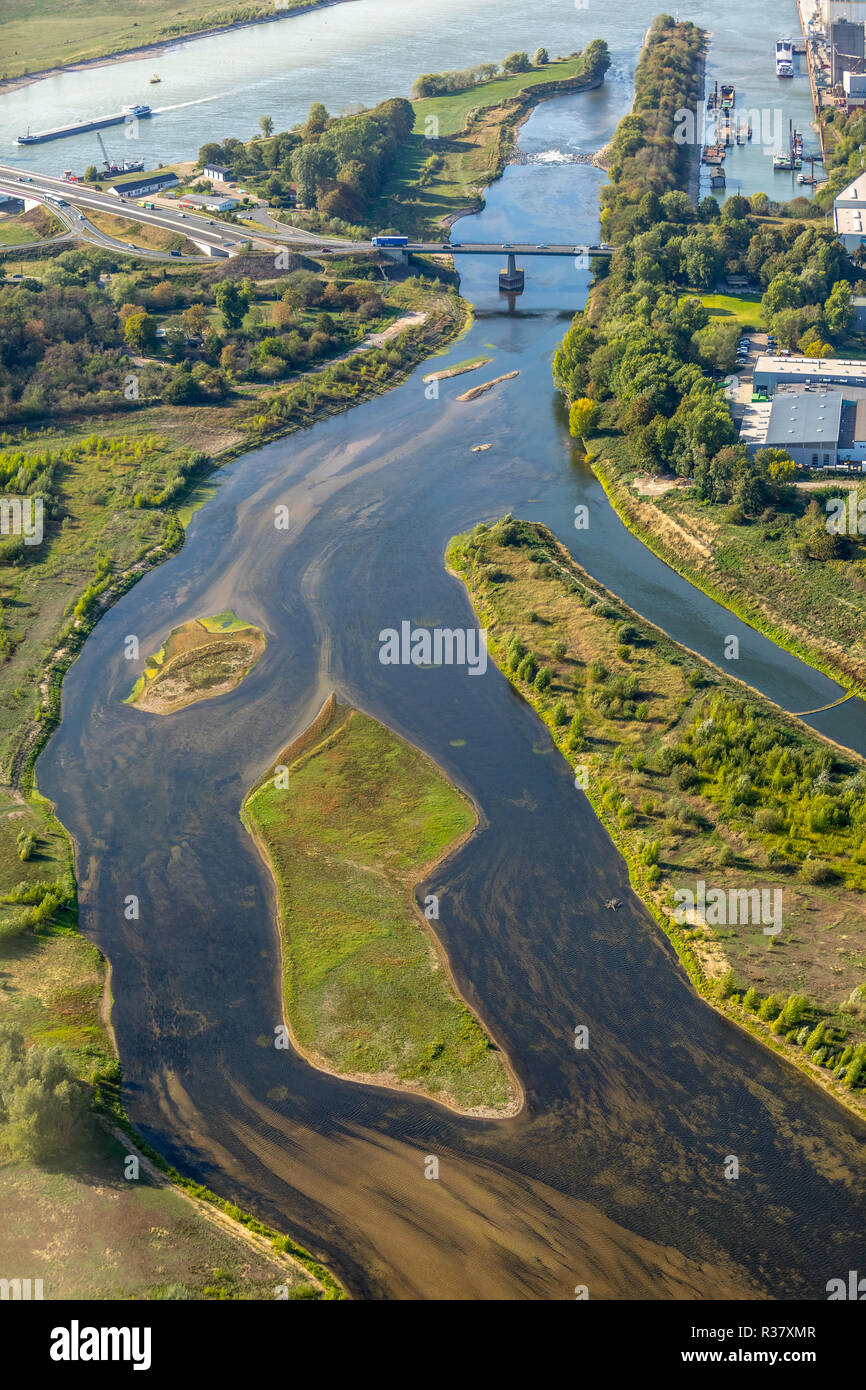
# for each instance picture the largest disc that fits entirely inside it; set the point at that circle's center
(784, 58)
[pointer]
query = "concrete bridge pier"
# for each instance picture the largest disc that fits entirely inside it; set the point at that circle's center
(511, 279)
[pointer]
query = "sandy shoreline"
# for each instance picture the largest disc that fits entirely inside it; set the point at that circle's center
(159, 46)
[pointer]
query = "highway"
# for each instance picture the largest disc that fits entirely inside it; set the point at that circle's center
(206, 231)
(225, 237)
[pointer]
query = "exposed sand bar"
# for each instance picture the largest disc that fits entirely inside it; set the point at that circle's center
(475, 391)
(458, 369)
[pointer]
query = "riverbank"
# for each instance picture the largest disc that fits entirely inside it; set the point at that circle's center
(684, 768)
(94, 1229)
(467, 141)
(199, 26)
(368, 993)
(749, 569)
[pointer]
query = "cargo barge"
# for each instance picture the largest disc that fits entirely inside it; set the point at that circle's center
(62, 132)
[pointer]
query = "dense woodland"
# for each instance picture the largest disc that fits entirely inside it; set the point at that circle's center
(645, 358)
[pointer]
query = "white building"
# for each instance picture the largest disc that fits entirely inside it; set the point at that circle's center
(849, 208)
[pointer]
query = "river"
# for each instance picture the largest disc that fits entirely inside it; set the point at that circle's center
(613, 1174)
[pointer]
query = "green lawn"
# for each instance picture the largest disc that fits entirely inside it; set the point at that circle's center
(361, 819)
(451, 110)
(746, 309)
(14, 234)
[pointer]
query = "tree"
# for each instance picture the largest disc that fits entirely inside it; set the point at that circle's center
(779, 464)
(312, 166)
(91, 174)
(232, 303)
(838, 310)
(43, 1106)
(211, 153)
(139, 332)
(736, 208)
(195, 319)
(316, 120)
(267, 125)
(516, 62)
(540, 57)
(582, 418)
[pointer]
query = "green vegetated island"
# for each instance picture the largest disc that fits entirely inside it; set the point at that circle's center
(644, 368)
(697, 779)
(201, 659)
(357, 820)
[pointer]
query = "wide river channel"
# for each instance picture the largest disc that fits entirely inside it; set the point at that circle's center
(613, 1175)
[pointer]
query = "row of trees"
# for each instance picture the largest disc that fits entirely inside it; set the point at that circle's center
(437, 84)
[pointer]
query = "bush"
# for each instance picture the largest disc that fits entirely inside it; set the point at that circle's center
(543, 679)
(597, 671)
(560, 714)
(42, 1103)
(816, 871)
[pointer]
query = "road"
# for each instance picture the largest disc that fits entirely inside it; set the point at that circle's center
(225, 237)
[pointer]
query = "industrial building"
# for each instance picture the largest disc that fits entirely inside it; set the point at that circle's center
(848, 209)
(217, 172)
(816, 411)
(771, 372)
(148, 183)
(846, 49)
(211, 202)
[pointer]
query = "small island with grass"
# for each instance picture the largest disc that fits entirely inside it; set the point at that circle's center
(201, 659)
(349, 820)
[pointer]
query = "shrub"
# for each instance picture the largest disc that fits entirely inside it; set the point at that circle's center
(558, 651)
(769, 821)
(543, 679)
(816, 871)
(42, 1103)
(597, 671)
(560, 714)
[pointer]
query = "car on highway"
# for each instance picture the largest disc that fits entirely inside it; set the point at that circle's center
(506, 246)
(181, 214)
(174, 253)
(324, 248)
(542, 246)
(456, 243)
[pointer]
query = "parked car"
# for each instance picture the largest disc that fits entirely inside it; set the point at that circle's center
(175, 253)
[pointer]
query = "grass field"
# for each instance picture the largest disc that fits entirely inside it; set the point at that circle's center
(467, 133)
(451, 110)
(27, 227)
(746, 309)
(144, 234)
(677, 827)
(42, 34)
(358, 821)
(90, 1234)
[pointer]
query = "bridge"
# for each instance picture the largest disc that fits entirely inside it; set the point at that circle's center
(213, 237)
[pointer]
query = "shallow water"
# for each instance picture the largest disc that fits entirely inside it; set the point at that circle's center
(613, 1174)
